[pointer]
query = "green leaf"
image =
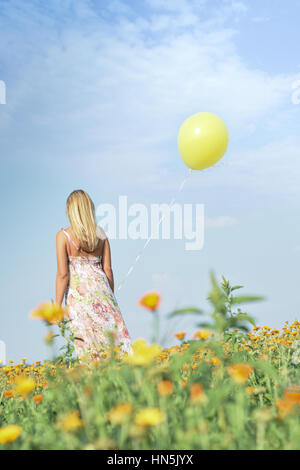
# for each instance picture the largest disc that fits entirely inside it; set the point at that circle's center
(185, 311)
(205, 325)
(213, 280)
(242, 299)
(246, 317)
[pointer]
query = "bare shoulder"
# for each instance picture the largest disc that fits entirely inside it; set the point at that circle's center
(60, 236)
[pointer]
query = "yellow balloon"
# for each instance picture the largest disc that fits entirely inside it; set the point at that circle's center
(202, 140)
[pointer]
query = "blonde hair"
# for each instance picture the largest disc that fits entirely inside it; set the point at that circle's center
(81, 214)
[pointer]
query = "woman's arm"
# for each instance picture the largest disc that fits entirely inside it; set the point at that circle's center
(106, 264)
(62, 276)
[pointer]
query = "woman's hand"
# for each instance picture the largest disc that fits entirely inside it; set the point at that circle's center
(106, 264)
(62, 276)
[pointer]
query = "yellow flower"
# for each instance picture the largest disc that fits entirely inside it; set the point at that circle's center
(143, 353)
(149, 417)
(10, 433)
(24, 385)
(71, 422)
(165, 387)
(180, 335)
(240, 372)
(150, 301)
(50, 312)
(215, 361)
(120, 413)
(203, 334)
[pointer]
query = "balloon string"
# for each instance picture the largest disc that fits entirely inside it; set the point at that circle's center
(171, 203)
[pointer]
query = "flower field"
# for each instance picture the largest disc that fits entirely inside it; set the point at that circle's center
(230, 390)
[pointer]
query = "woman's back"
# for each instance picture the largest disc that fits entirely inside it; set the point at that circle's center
(74, 249)
(85, 279)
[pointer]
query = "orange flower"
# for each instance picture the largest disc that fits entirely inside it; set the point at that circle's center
(180, 335)
(150, 301)
(8, 393)
(292, 394)
(196, 393)
(203, 334)
(38, 398)
(165, 387)
(250, 390)
(284, 407)
(240, 372)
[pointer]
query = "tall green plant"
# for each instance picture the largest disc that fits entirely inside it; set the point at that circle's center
(224, 317)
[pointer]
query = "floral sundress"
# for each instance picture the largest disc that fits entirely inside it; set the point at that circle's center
(93, 309)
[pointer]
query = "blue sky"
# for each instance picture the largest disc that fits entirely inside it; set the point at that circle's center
(96, 93)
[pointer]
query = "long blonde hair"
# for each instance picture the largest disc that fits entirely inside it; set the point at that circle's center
(81, 214)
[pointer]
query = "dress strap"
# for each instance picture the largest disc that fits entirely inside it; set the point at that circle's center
(70, 239)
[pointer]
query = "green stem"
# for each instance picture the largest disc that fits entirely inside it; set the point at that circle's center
(155, 326)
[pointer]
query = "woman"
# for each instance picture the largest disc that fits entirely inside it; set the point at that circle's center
(85, 278)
